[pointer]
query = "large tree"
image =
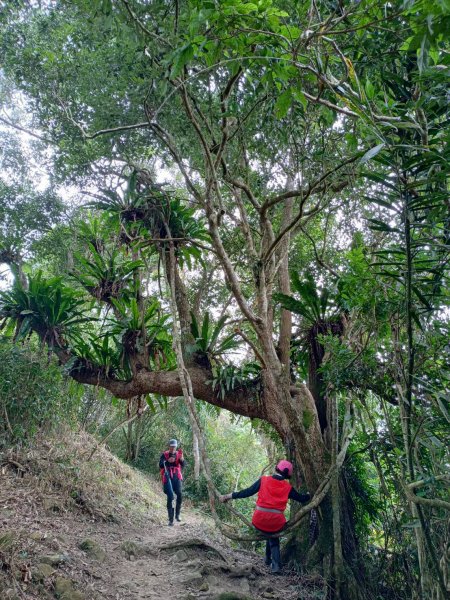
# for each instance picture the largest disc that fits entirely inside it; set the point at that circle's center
(265, 118)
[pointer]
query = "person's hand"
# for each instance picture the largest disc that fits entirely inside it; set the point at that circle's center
(224, 499)
(171, 460)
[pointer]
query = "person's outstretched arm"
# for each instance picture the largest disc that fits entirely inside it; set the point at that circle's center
(162, 461)
(250, 491)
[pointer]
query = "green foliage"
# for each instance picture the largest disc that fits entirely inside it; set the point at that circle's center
(229, 377)
(422, 211)
(27, 211)
(129, 333)
(146, 210)
(359, 288)
(25, 215)
(238, 456)
(33, 394)
(346, 368)
(47, 307)
(126, 205)
(207, 337)
(430, 26)
(105, 274)
(312, 306)
(361, 481)
(142, 332)
(92, 352)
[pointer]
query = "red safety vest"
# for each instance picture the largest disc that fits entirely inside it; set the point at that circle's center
(173, 468)
(272, 498)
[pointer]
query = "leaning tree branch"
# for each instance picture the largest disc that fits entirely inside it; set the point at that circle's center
(252, 346)
(421, 482)
(246, 189)
(113, 130)
(430, 502)
(167, 383)
(27, 131)
(289, 61)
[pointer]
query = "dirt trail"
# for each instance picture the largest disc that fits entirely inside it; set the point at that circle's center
(126, 562)
(63, 535)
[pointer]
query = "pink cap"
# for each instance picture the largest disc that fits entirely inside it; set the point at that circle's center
(285, 467)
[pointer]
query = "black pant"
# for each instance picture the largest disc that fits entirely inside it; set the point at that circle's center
(273, 554)
(170, 490)
(272, 543)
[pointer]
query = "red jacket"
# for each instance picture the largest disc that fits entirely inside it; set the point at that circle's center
(273, 496)
(173, 468)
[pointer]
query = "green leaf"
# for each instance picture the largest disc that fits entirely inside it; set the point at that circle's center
(184, 55)
(217, 329)
(371, 153)
(194, 327)
(421, 297)
(381, 226)
(352, 141)
(205, 327)
(300, 97)
(150, 403)
(247, 8)
(294, 306)
(381, 202)
(283, 104)
(370, 90)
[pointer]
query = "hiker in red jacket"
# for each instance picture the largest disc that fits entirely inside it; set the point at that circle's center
(273, 495)
(171, 464)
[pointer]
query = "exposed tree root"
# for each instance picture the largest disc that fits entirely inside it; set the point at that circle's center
(192, 543)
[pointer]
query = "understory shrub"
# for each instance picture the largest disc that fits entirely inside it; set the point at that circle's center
(34, 395)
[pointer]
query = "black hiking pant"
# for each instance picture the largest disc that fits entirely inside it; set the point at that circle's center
(272, 548)
(171, 491)
(272, 543)
(273, 553)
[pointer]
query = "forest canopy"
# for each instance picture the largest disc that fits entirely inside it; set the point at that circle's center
(260, 221)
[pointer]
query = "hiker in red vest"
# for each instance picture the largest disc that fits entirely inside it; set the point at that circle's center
(273, 495)
(171, 464)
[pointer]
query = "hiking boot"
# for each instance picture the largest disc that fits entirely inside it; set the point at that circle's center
(276, 569)
(170, 512)
(177, 517)
(276, 561)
